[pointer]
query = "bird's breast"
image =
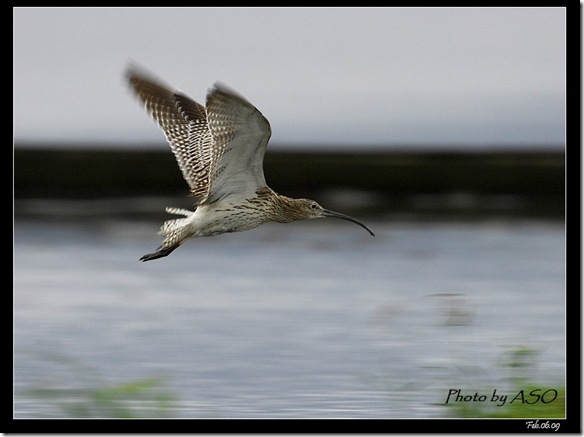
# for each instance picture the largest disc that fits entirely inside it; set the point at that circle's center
(227, 217)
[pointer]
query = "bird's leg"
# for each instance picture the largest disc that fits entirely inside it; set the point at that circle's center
(160, 252)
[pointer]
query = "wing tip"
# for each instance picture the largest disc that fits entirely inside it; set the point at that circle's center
(135, 71)
(138, 75)
(221, 88)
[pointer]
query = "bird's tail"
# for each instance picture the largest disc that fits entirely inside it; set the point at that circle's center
(175, 231)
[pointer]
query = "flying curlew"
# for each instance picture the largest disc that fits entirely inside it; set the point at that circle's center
(220, 150)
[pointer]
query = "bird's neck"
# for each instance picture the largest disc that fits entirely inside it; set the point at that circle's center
(286, 209)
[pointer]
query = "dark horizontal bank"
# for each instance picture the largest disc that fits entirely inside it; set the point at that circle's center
(511, 183)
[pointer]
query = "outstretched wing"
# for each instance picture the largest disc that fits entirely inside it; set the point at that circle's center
(184, 123)
(219, 149)
(240, 137)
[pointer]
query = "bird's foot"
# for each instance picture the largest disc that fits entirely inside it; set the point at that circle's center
(160, 253)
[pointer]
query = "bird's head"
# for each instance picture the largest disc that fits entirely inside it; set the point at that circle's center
(310, 209)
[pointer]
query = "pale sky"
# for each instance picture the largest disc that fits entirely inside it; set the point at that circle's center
(364, 77)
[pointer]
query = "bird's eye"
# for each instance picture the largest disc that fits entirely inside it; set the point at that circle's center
(313, 206)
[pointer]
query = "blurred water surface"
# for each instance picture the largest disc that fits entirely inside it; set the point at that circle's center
(306, 320)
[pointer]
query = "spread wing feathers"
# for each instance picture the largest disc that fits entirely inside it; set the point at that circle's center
(219, 149)
(184, 124)
(240, 137)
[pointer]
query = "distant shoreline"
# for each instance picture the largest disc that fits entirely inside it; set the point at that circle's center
(443, 182)
(276, 147)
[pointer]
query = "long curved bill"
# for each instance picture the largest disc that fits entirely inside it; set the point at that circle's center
(329, 213)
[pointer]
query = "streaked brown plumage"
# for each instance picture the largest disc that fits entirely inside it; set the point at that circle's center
(220, 150)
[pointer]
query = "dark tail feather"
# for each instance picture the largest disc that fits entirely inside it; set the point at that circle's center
(160, 253)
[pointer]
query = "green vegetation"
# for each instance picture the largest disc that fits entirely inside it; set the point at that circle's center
(87, 395)
(525, 398)
(140, 398)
